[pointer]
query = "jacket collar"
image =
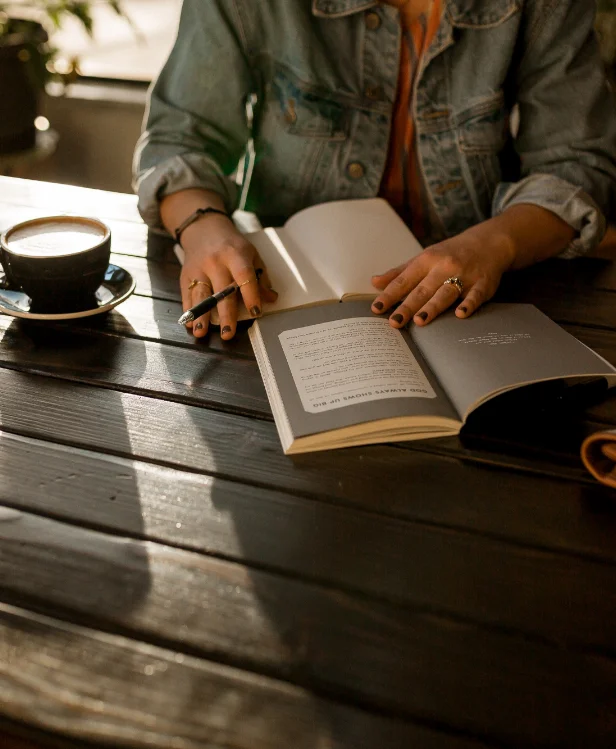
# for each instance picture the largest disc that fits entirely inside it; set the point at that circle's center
(458, 12)
(338, 8)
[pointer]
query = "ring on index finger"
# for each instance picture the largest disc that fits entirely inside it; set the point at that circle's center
(457, 282)
(195, 281)
(257, 276)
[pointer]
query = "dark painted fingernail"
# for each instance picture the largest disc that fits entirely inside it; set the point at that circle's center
(255, 311)
(463, 309)
(226, 329)
(422, 316)
(397, 318)
(378, 305)
(199, 326)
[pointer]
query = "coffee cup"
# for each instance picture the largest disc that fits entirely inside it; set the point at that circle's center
(58, 261)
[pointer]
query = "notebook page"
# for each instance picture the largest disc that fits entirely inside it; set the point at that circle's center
(348, 241)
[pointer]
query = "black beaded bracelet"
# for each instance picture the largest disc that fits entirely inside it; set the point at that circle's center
(193, 217)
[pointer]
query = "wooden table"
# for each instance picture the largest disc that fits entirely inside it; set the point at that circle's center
(169, 579)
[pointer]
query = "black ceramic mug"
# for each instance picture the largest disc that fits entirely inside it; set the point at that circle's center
(58, 261)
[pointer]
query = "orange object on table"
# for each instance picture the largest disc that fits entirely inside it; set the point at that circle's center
(599, 456)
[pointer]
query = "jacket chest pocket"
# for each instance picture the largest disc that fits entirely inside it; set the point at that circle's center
(307, 111)
(482, 132)
(300, 132)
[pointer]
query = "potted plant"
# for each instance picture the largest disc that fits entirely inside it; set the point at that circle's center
(606, 31)
(27, 60)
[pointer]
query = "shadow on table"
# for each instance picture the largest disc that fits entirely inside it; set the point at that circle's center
(546, 421)
(69, 501)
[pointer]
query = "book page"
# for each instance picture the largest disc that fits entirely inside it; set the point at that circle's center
(356, 363)
(354, 360)
(292, 275)
(349, 241)
(499, 347)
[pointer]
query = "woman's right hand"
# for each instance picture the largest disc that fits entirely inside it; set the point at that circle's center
(216, 255)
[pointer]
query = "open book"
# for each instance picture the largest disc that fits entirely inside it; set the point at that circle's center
(338, 375)
(329, 252)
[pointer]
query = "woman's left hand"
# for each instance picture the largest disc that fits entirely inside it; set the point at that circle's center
(478, 258)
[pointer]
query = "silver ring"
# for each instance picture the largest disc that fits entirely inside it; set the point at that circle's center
(457, 282)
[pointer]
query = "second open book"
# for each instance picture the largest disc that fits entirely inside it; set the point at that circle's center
(328, 252)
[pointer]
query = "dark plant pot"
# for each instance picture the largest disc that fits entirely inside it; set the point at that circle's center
(19, 90)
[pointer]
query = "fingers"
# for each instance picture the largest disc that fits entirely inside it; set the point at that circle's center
(245, 277)
(267, 292)
(444, 296)
(254, 290)
(441, 298)
(382, 280)
(477, 295)
(424, 293)
(196, 294)
(227, 308)
(412, 278)
(186, 295)
(232, 265)
(427, 300)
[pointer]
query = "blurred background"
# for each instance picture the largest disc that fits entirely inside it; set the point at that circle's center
(93, 77)
(94, 71)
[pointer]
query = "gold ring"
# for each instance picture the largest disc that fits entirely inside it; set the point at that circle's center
(194, 282)
(457, 282)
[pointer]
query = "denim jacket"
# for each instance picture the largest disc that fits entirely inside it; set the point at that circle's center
(311, 85)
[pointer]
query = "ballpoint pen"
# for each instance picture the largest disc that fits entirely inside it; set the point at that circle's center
(211, 301)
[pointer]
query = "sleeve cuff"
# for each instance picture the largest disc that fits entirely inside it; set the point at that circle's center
(181, 173)
(568, 202)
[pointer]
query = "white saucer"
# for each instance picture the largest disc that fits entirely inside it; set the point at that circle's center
(117, 286)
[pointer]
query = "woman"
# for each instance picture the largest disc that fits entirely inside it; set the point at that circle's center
(408, 99)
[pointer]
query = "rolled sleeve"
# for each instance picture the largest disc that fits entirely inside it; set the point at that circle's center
(568, 202)
(196, 128)
(566, 139)
(180, 173)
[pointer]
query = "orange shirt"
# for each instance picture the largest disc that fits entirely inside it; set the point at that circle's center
(402, 185)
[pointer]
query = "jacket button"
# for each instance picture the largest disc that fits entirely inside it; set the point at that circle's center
(375, 93)
(373, 20)
(355, 170)
(290, 114)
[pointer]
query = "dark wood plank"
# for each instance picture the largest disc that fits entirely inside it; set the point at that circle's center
(248, 450)
(564, 292)
(157, 320)
(154, 279)
(603, 341)
(34, 348)
(563, 461)
(198, 373)
(481, 683)
(553, 451)
(464, 575)
(589, 273)
(195, 374)
(30, 345)
(113, 689)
